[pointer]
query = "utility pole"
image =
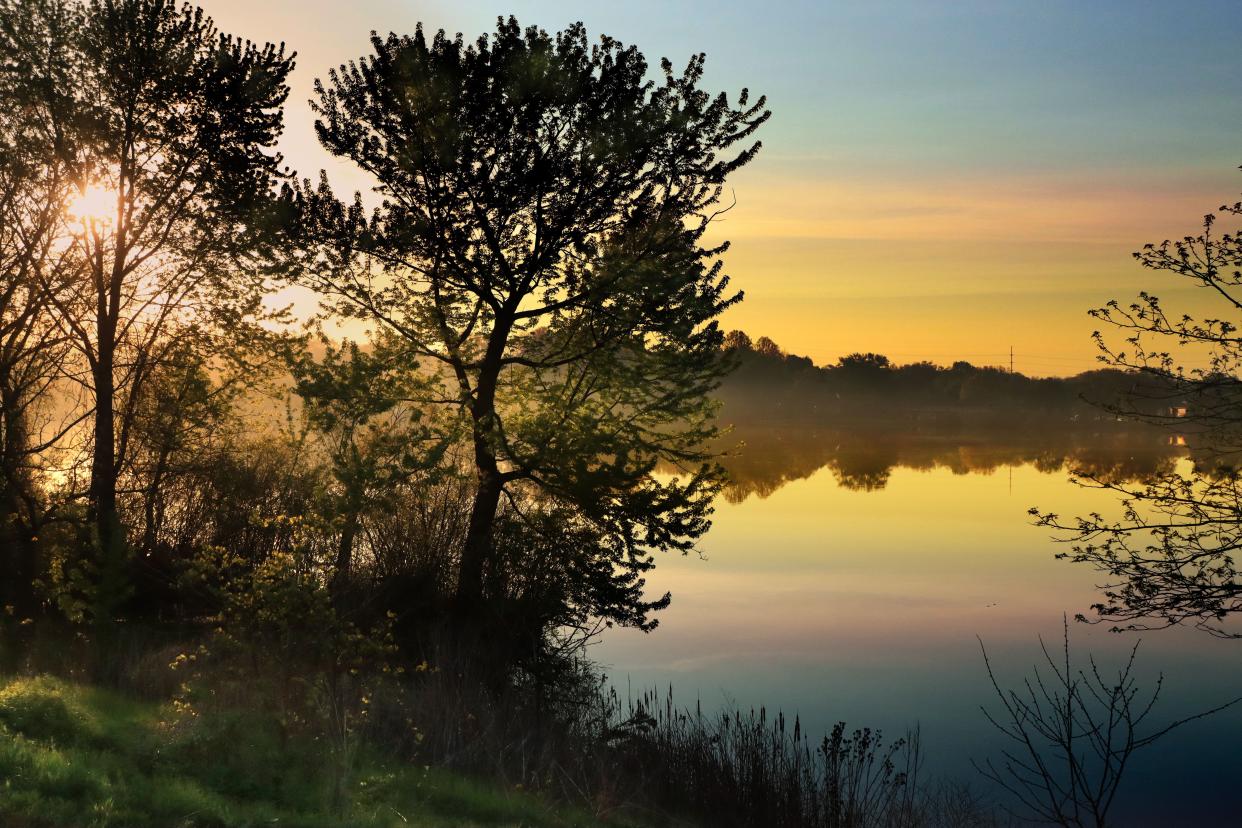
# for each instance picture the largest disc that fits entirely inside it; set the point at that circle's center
(1011, 359)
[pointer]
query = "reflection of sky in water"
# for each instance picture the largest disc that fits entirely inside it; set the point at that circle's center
(863, 606)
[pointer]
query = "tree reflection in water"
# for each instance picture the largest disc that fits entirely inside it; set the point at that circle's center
(761, 458)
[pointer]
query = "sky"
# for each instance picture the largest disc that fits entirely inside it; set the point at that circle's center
(939, 180)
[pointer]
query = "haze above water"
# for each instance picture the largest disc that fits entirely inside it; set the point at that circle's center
(848, 574)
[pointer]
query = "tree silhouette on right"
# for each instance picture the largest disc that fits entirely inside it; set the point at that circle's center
(1169, 557)
(1073, 731)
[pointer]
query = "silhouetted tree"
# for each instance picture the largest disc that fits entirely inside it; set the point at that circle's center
(175, 143)
(738, 341)
(1072, 733)
(1170, 556)
(540, 241)
(766, 347)
(37, 173)
(864, 362)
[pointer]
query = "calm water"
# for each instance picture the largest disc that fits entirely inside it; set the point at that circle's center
(858, 597)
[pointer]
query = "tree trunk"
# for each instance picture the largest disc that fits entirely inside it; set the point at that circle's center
(104, 517)
(345, 551)
(13, 557)
(18, 555)
(153, 509)
(479, 536)
(478, 546)
(103, 465)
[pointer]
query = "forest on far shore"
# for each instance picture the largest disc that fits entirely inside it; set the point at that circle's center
(771, 386)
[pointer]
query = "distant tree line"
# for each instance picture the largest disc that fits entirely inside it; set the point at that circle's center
(770, 384)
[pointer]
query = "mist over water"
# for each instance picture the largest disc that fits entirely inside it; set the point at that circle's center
(849, 572)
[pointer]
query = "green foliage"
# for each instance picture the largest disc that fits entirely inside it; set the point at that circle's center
(170, 126)
(350, 387)
(70, 579)
(71, 755)
(541, 242)
(559, 570)
(282, 607)
(361, 405)
(27, 709)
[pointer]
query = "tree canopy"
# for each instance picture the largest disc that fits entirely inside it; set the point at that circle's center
(1169, 556)
(541, 247)
(156, 164)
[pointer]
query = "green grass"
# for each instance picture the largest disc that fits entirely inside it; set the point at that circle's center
(75, 756)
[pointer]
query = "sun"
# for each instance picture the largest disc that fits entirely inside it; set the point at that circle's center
(93, 205)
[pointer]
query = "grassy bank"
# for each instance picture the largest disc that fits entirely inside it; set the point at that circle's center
(72, 755)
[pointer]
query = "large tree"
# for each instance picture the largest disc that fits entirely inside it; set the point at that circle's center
(175, 142)
(37, 172)
(1170, 555)
(541, 243)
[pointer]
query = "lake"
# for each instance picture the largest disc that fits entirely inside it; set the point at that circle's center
(848, 575)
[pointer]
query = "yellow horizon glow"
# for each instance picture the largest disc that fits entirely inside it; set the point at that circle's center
(944, 267)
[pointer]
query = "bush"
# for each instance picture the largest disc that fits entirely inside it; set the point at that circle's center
(34, 709)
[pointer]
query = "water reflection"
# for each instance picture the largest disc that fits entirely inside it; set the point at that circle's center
(762, 458)
(849, 571)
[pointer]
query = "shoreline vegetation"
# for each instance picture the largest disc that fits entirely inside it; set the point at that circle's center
(786, 418)
(212, 740)
(207, 730)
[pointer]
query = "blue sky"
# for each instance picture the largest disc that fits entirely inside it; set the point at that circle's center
(959, 152)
